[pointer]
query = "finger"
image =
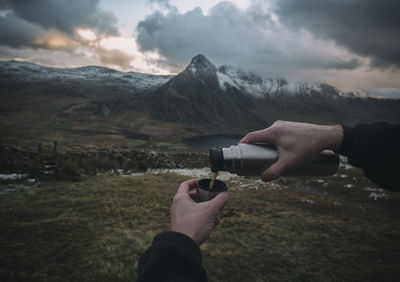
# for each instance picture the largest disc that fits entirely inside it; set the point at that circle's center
(249, 137)
(260, 136)
(217, 204)
(274, 171)
(185, 186)
(193, 195)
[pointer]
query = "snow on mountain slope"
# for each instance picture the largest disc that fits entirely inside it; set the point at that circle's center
(257, 86)
(30, 71)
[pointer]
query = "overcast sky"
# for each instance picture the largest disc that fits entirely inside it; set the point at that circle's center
(350, 44)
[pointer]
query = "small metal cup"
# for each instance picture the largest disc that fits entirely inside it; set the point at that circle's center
(203, 191)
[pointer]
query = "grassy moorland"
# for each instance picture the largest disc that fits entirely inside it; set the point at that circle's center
(340, 228)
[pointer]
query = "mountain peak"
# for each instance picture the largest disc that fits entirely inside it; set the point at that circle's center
(200, 64)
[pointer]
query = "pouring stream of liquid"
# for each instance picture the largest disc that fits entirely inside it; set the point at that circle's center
(214, 176)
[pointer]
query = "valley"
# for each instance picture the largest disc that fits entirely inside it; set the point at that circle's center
(95, 106)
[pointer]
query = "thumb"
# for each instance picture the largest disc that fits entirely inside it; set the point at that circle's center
(274, 171)
(219, 202)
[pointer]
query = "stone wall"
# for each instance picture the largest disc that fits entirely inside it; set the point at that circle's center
(15, 159)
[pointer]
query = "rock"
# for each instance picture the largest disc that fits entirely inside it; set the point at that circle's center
(106, 111)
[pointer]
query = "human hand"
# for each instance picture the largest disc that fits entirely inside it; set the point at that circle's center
(296, 142)
(195, 220)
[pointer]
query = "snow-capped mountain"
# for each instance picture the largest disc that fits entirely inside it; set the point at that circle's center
(252, 84)
(256, 85)
(32, 72)
(248, 83)
(194, 96)
(200, 68)
(222, 99)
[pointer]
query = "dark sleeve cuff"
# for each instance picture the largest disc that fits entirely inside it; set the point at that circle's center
(178, 238)
(172, 257)
(347, 141)
(374, 148)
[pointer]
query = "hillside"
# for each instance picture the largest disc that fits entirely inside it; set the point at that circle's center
(340, 228)
(96, 105)
(225, 100)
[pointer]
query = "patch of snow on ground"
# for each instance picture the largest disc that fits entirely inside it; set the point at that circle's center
(135, 174)
(308, 201)
(12, 176)
(320, 181)
(190, 172)
(194, 172)
(346, 166)
(377, 196)
(373, 189)
(348, 186)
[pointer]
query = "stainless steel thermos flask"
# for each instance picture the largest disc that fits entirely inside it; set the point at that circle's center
(252, 160)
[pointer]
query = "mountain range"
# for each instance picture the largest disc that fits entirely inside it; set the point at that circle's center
(202, 99)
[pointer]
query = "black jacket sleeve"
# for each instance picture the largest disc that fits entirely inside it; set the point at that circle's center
(172, 257)
(376, 149)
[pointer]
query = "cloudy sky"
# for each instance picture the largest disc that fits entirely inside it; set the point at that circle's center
(351, 44)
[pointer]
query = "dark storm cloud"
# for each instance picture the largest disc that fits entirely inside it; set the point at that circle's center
(246, 38)
(64, 15)
(367, 27)
(16, 32)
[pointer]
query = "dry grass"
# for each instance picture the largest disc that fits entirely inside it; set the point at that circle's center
(290, 230)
